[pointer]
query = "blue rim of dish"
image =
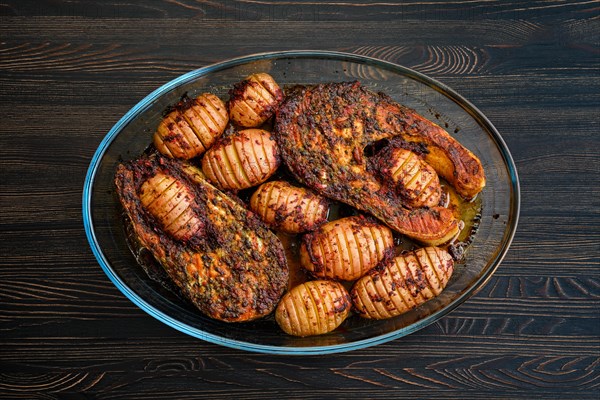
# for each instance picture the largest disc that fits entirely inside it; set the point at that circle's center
(311, 350)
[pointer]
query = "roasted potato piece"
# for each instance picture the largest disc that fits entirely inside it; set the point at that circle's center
(169, 201)
(246, 159)
(191, 126)
(313, 308)
(346, 248)
(254, 100)
(414, 179)
(402, 284)
(289, 208)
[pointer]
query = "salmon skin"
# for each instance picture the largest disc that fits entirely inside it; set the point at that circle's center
(231, 266)
(324, 131)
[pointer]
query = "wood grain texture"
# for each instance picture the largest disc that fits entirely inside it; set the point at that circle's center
(311, 10)
(70, 69)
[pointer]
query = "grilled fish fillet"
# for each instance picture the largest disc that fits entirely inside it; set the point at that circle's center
(231, 266)
(323, 131)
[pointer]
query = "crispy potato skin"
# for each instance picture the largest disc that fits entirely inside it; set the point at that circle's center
(245, 159)
(254, 100)
(191, 126)
(170, 202)
(403, 283)
(313, 308)
(289, 208)
(415, 180)
(233, 268)
(346, 248)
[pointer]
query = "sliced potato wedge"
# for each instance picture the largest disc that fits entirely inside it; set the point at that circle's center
(414, 179)
(245, 159)
(313, 308)
(191, 127)
(345, 249)
(169, 201)
(289, 208)
(402, 284)
(254, 100)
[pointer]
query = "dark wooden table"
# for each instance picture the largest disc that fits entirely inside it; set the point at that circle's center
(70, 69)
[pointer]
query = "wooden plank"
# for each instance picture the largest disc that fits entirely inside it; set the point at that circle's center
(305, 10)
(258, 34)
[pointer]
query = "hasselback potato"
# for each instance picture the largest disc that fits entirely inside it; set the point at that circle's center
(345, 248)
(169, 201)
(414, 179)
(191, 126)
(245, 159)
(313, 308)
(254, 100)
(289, 208)
(403, 283)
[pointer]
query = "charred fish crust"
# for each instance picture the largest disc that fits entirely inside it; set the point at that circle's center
(319, 130)
(399, 142)
(233, 270)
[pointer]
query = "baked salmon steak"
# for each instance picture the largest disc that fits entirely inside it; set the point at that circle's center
(222, 256)
(325, 133)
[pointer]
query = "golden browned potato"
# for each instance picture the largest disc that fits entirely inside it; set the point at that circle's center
(289, 208)
(169, 201)
(345, 248)
(414, 179)
(404, 283)
(254, 100)
(246, 159)
(313, 308)
(191, 127)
